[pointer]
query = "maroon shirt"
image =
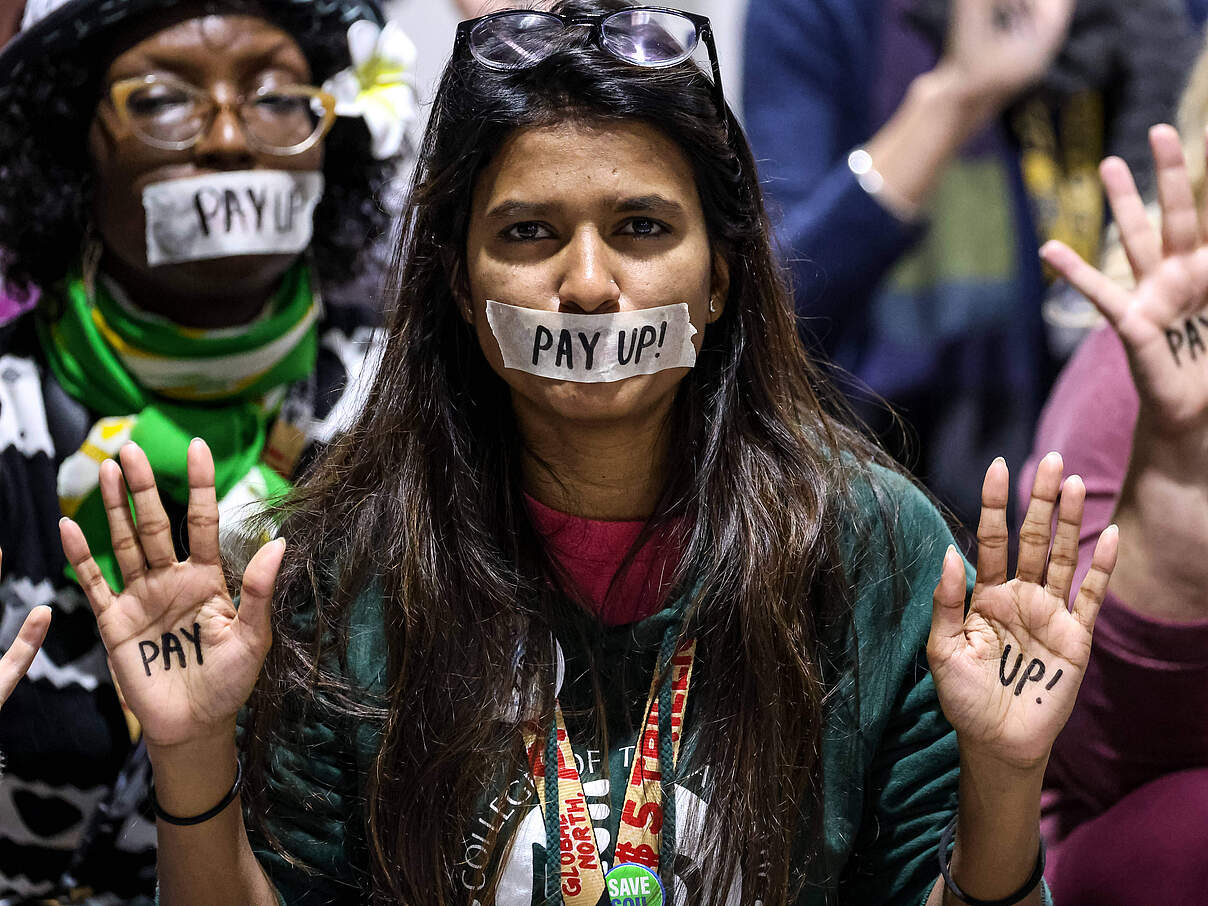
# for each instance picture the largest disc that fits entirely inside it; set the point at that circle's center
(592, 551)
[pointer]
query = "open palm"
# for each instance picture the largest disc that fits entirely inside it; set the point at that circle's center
(185, 659)
(1007, 672)
(1001, 47)
(1163, 320)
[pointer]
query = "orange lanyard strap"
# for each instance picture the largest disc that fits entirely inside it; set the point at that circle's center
(641, 825)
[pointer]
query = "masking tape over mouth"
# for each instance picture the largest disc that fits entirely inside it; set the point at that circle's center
(593, 349)
(219, 215)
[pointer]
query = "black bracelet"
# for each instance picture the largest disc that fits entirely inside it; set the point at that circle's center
(204, 816)
(945, 865)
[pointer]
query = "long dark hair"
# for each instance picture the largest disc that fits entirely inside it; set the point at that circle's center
(421, 503)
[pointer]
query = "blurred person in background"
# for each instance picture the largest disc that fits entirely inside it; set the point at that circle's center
(1127, 785)
(175, 178)
(909, 202)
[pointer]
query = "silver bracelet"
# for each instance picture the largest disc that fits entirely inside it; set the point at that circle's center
(860, 164)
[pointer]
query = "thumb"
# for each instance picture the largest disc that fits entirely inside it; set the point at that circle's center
(948, 606)
(24, 649)
(256, 594)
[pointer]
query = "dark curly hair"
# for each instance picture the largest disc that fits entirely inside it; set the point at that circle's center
(46, 175)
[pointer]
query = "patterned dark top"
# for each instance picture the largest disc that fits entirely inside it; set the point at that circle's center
(63, 735)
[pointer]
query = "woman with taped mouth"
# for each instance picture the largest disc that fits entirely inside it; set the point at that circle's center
(161, 162)
(601, 599)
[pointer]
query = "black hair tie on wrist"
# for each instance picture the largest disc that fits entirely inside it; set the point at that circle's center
(204, 816)
(945, 865)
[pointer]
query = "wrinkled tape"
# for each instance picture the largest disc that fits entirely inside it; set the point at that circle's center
(248, 212)
(593, 349)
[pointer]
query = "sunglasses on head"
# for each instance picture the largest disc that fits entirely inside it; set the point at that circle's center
(649, 36)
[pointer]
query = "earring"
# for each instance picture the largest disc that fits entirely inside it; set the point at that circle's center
(713, 305)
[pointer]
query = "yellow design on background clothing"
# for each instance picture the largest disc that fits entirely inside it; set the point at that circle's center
(1061, 170)
(80, 472)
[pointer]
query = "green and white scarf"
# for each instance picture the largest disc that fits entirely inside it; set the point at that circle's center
(160, 385)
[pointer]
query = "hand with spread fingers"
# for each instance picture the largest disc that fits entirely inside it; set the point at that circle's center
(1163, 320)
(185, 659)
(1007, 672)
(24, 649)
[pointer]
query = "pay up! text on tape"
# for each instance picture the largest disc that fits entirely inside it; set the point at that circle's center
(593, 349)
(248, 212)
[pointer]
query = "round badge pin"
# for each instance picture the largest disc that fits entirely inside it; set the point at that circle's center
(630, 884)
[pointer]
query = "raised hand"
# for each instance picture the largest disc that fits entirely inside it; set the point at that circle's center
(1008, 672)
(997, 48)
(1162, 321)
(185, 659)
(23, 650)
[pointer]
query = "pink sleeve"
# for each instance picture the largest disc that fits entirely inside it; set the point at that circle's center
(1140, 711)
(1089, 420)
(14, 304)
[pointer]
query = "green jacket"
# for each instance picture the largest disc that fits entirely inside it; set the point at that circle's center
(890, 761)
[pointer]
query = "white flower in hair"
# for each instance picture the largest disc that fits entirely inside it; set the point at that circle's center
(380, 84)
(37, 10)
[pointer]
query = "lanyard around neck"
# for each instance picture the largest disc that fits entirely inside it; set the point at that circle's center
(643, 822)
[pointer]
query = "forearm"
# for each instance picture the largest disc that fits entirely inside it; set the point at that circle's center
(998, 833)
(912, 149)
(1162, 513)
(209, 864)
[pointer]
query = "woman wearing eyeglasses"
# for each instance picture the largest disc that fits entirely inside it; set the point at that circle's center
(598, 601)
(176, 184)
